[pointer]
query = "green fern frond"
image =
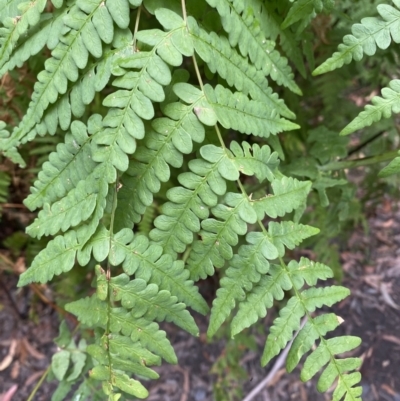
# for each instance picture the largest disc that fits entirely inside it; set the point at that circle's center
(256, 304)
(15, 27)
(4, 184)
(94, 312)
(288, 195)
(315, 329)
(382, 107)
(58, 257)
(164, 145)
(146, 224)
(270, 22)
(288, 234)
(289, 317)
(68, 56)
(148, 262)
(69, 165)
(373, 32)
(247, 267)
(200, 190)
(236, 111)
(236, 70)
(46, 33)
(304, 9)
(239, 22)
(157, 138)
(9, 9)
(392, 168)
(148, 301)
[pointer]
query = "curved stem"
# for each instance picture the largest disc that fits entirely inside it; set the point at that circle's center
(39, 383)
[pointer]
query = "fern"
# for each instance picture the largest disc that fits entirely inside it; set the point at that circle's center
(373, 32)
(302, 10)
(139, 123)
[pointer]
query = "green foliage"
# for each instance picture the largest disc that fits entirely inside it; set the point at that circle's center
(373, 32)
(366, 36)
(174, 158)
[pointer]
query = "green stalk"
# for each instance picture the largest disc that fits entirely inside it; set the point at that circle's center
(366, 161)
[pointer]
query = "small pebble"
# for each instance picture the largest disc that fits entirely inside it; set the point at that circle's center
(200, 394)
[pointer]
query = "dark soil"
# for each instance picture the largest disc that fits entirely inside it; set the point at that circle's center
(371, 265)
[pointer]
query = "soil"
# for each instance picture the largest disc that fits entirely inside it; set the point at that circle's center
(371, 265)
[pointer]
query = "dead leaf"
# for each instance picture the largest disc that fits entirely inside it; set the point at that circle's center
(388, 389)
(384, 287)
(31, 350)
(391, 338)
(32, 378)
(6, 362)
(7, 396)
(15, 370)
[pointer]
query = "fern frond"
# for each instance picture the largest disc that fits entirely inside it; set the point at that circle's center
(256, 304)
(289, 317)
(270, 22)
(128, 106)
(200, 190)
(247, 267)
(76, 207)
(4, 184)
(382, 107)
(14, 27)
(244, 270)
(148, 301)
(94, 312)
(272, 286)
(58, 257)
(70, 55)
(236, 111)
(9, 9)
(304, 9)
(324, 354)
(70, 164)
(288, 195)
(236, 70)
(239, 22)
(164, 145)
(146, 224)
(142, 330)
(288, 234)
(392, 168)
(46, 33)
(148, 262)
(111, 361)
(371, 33)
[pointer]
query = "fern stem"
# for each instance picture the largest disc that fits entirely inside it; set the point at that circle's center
(365, 143)
(184, 12)
(221, 140)
(139, 12)
(39, 383)
(196, 68)
(365, 161)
